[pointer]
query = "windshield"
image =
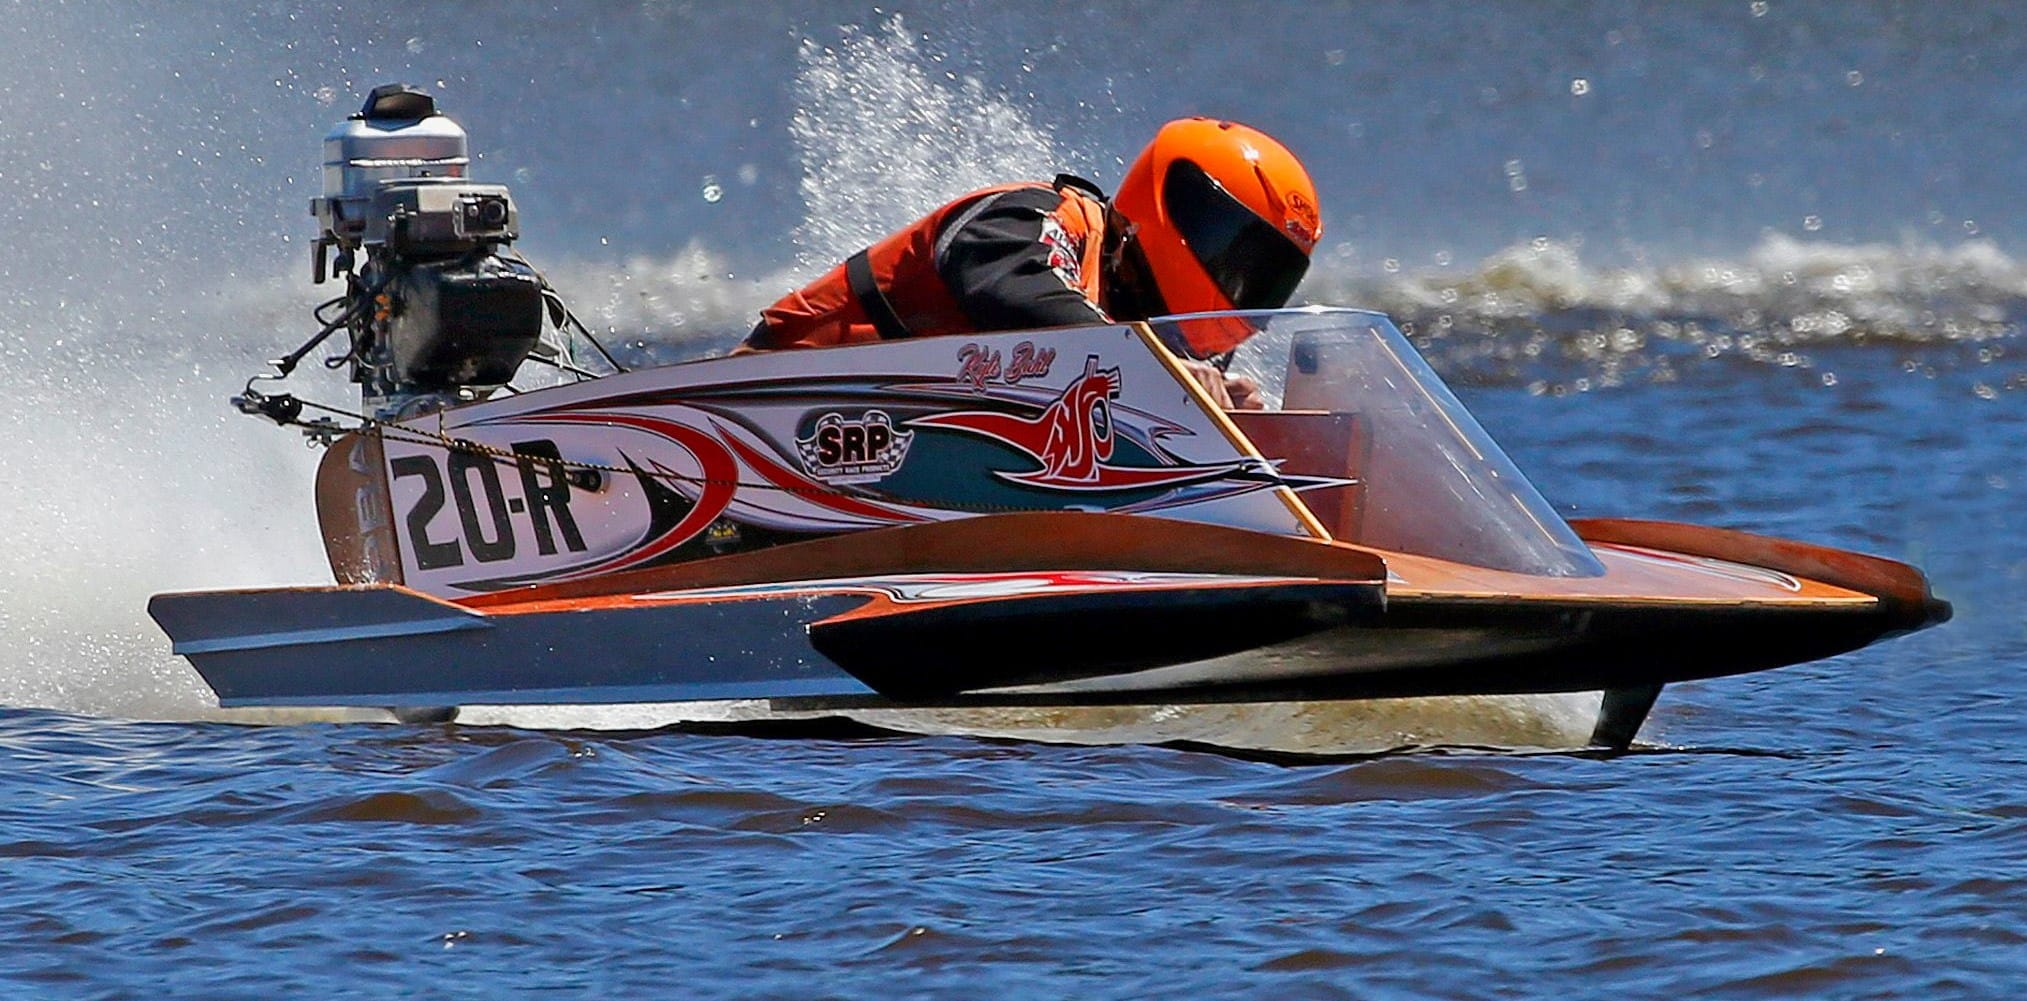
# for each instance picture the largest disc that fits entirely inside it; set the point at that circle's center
(1430, 481)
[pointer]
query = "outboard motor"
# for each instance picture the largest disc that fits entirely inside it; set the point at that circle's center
(439, 310)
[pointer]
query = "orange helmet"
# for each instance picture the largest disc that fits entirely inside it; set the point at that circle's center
(1225, 216)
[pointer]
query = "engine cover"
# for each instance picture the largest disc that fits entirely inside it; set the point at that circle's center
(466, 322)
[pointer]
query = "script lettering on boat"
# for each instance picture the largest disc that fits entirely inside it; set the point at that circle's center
(486, 513)
(978, 365)
(1029, 362)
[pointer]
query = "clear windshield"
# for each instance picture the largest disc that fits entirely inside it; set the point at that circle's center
(1430, 480)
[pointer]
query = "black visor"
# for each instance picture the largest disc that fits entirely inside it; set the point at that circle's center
(1253, 263)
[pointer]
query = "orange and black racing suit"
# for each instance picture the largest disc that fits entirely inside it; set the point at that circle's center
(1006, 258)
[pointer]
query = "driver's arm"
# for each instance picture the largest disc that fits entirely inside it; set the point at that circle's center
(1013, 266)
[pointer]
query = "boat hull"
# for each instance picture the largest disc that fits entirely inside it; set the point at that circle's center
(1087, 609)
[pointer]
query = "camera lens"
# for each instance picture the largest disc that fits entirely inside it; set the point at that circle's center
(493, 212)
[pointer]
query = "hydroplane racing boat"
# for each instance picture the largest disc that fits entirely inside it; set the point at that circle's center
(1039, 517)
(1055, 516)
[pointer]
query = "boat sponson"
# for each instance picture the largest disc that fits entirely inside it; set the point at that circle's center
(1903, 592)
(387, 645)
(1435, 648)
(937, 652)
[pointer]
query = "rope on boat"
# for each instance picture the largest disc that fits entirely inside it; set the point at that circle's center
(391, 431)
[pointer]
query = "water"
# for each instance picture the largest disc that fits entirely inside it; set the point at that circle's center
(1754, 265)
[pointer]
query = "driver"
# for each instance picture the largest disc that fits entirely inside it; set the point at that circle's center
(1213, 215)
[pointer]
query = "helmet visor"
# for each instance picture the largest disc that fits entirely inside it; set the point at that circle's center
(1252, 262)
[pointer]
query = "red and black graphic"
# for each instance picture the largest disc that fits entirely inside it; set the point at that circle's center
(673, 518)
(1073, 440)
